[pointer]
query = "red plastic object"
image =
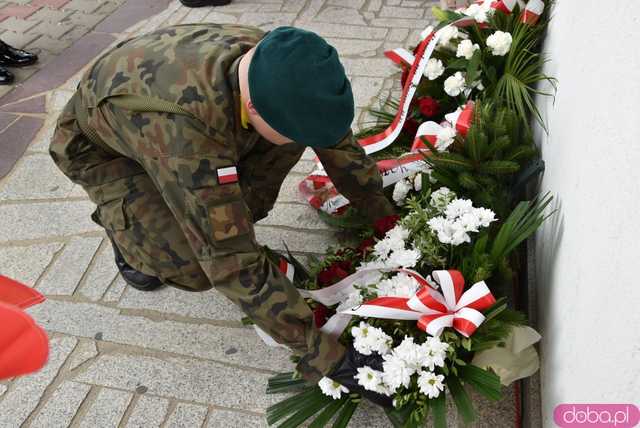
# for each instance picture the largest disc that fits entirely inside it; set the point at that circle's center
(24, 346)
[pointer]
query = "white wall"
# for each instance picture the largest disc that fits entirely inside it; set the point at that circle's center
(588, 256)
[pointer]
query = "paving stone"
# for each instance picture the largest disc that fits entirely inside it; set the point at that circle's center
(304, 167)
(374, 5)
(294, 6)
(196, 15)
(199, 381)
(303, 216)
(26, 264)
(45, 220)
(3, 389)
(85, 351)
(101, 274)
(400, 12)
(221, 18)
(114, 293)
(311, 9)
(398, 34)
(130, 13)
(6, 119)
(32, 105)
(346, 31)
(368, 67)
(65, 274)
(85, 6)
(60, 409)
(26, 392)
(392, 2)
(355, 4)
(272, 7)
(267, 20)
(14, 141)
(18, 11)
(17, 40)
(51, 4)
(210, 304)
(85, 19)
(107, 410)
(149, 412)
(235, 6)
(49, 15)
(411, 3)
(229, 419)
(306, 242)
(35, 177)
(196, 340)
(53, 29)
(365, 89)
(355, 47)
(187, 415)
(57, 100)
(49, 44)
(76, 32)
(340, 15)
(18, 25)
(42, 140)
(399, 22)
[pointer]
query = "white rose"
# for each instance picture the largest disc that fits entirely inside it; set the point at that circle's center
(479, 12)
(466, 48)
(446, 34)
(454, 85)
(400, 191)
(434, 69)
(499, 43)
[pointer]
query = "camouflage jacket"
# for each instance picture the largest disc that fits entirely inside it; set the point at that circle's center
(196, 67)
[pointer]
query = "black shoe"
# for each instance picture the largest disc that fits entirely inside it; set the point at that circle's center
(346, 370)
(6, 77)
(134, 278)
(12, 57)
(200, 3)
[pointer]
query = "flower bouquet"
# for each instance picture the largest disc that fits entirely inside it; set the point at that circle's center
(428, 290)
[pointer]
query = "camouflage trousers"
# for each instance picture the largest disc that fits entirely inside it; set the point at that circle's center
(132, 210)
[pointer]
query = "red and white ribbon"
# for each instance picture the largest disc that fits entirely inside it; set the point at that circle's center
(532, 12)
(287, 269)
(435, 311)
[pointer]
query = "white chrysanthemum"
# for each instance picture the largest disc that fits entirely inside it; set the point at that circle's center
(479, 12)
(436, 352)
(457, 234)
(449, 231)
(458, 207)
(441, 198)
(368, 339)
(401, 190)
(401, 285)
(404, 258)
(466, 48)
(435, 345)
(430, 384)
(434, 69)
(447, 34)
(485, 216)
(446, 136)
(411, 353)
(353, 299)
(369, 378)
(396, 372)
(469, 222)
(332, 388)
(398, 234)
(454, 85)
(499, 43)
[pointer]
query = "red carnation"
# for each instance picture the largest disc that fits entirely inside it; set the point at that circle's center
(411, 127)
(334, 273)
(385, 224)
(366, 245)
(320, 315)
(428, 106)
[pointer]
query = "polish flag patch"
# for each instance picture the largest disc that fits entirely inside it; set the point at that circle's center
(227, 175)
(287, 269)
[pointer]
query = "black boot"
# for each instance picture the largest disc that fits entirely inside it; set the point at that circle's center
(134, 278)
(200, 3)
(6, 77)
(12, 57)
(346, 370)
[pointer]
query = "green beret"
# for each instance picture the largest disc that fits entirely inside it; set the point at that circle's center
(299, 87)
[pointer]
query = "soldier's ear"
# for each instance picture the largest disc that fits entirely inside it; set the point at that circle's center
(250, 108)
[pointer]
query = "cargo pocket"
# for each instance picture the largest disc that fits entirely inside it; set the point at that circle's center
(110, 215)
(229, 220)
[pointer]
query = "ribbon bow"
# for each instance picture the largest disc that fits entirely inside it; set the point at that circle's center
(435, 311)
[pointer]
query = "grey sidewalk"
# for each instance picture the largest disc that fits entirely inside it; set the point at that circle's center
(170, 358)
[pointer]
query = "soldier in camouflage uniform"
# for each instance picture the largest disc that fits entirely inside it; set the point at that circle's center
(154, 134)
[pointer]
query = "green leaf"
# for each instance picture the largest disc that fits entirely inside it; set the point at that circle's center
(399, 417)
(473, 67)
(461, 398)
(345, 415)
(499, 167)
(325, 416)
(439, 406)
(312, 406)
(284, 382)
(290, 405)
(485, 382)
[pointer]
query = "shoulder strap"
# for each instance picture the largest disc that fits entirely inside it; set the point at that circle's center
(141, 103)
